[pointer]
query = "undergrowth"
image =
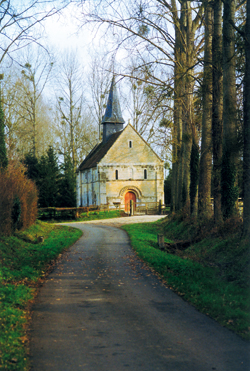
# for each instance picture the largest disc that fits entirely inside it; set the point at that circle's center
(23, 262)
(213, 273)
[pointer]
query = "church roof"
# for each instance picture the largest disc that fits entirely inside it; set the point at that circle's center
(113, 110)
(98, 152)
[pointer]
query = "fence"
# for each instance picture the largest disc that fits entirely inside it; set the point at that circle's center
(138, 208)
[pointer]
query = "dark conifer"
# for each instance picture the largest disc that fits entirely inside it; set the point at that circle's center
(67, 187)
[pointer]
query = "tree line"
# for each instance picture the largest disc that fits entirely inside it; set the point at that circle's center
(56, 182)
(196, 55)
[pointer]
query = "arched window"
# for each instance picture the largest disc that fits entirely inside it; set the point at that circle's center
(116, 174)
(145, 174)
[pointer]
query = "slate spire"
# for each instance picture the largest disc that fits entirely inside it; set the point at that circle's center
(112, 120)
(113, 110)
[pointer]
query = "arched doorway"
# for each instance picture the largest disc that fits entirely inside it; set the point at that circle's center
(129, 196)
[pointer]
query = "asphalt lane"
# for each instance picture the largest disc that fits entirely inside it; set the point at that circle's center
(101, 309)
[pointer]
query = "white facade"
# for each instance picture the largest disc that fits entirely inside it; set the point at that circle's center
(129, 165)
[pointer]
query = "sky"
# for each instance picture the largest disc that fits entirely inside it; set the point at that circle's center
(63, 32)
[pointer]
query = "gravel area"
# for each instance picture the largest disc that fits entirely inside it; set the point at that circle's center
(117, 222)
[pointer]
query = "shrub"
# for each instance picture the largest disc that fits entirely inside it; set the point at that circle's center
(16, 190)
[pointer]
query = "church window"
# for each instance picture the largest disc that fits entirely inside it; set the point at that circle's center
(116, 174)
(130, 143)
(145, 174)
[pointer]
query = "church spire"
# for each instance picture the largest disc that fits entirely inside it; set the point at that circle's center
(112, 120)
(113, 110)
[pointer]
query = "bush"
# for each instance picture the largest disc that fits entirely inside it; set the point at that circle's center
(16, 190)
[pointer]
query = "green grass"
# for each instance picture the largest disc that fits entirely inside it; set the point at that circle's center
(96, 215)
(212, 275)
(91, 215)
(23, 262)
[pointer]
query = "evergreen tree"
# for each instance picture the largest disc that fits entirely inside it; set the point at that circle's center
(31, 163)
(3, 154)
(48, 179)
(67, 184)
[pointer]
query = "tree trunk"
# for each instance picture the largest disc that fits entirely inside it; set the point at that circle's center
(187, 110)
(207, 98)
(217, 125)
(194, 176)
(185, 28)
(3, 154)
(246, 154)
(177, 127)
(230, 145)
(34, 120)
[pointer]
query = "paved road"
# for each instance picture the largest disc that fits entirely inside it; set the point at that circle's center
(102, 310)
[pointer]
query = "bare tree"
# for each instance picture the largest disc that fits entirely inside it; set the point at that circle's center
(150, 110)
(27, 118)
(35, 75)
(99, 78)
(19, 21)
(73, 117)
(207, 98)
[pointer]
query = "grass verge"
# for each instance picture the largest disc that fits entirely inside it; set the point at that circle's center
(92, 215)
(96, 215)
(23, 262)
(212, 275)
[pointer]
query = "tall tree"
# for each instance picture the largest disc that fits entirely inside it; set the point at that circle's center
(217, 115)
(230, 140)
(185, 134)
(35, 79)
(18, 107)
(3, 154)
(48, 179)
(67, 184)
(207, 98)
(74, 127)
(246, 155)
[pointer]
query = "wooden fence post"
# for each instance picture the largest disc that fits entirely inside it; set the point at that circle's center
(160, 240)
(131, 208)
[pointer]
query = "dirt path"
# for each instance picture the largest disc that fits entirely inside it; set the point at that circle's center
(102, 310)
(117, 222)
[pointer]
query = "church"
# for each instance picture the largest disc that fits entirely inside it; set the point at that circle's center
(122, 167)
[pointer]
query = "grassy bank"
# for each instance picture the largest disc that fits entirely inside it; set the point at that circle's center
(23, 261)
(87, 216)
(212, 273)
(98, 215)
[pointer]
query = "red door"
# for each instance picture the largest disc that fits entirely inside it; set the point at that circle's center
(129, 196)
